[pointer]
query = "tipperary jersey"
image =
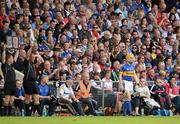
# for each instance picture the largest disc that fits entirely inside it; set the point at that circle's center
(128, 71)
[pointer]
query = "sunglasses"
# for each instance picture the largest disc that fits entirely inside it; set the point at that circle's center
(93, 40)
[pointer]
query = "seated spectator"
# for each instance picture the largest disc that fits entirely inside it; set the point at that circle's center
(66, 96)
(19, 97)
(159, 94)
(174, 94)
(46, 98)
(83, 93)
(95, 78)
(111, 97)
(142, 94)
(76, 37)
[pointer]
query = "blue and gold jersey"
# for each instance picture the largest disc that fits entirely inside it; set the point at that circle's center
(128, 71)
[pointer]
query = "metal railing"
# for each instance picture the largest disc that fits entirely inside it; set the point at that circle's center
(102, 90)
(99, 94)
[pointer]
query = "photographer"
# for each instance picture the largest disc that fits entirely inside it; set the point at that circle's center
(45, 96)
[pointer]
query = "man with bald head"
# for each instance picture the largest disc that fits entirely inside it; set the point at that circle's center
(48, 71)
(83, 93)
(84, 32)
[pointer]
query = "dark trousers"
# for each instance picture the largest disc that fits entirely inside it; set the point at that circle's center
(78, 107)
(1, 104)
(50, 103)
(163, 100)
(92, 104)
(74, 107)
(176, 102)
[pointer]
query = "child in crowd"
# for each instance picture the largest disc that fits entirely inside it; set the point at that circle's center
(126, 107)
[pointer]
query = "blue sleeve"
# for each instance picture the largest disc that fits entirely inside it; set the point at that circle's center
(49, 90)
(39, 89)
(23, 92)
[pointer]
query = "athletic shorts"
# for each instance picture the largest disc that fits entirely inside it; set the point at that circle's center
(30, 87)
(9, 90)
(128, 86)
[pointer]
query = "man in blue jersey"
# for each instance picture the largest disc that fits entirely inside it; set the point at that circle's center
(19, 97)
(45, 96)
(127, 73)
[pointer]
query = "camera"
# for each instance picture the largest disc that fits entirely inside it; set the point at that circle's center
(53, 98)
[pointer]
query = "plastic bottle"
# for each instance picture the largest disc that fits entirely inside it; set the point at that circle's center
(159, 112)
(170, 113)
(142, 111)
(22, 113)
(44, 111)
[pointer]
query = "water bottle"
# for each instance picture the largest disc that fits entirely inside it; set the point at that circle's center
(22, 113)
(18, 112)
(142, 111)
(170, 113)
(159, 112)
(44, 111)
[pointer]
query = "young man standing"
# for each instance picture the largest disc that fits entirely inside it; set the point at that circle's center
(127, 74)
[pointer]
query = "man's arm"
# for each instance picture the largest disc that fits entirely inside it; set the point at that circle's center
(29, 52)
(4, 54)
(16, 55)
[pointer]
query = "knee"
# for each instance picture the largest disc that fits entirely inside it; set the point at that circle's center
(36, 103)
(36, 100)
(6, 102)
(28, 99)
(11, 102)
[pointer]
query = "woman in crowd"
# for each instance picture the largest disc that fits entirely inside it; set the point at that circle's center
(173, 91)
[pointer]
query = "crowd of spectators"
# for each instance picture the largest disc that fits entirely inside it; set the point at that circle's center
(132, 42)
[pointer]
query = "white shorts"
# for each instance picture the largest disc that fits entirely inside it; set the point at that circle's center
(128, 86)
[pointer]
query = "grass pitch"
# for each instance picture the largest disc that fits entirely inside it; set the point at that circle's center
(91, 120)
